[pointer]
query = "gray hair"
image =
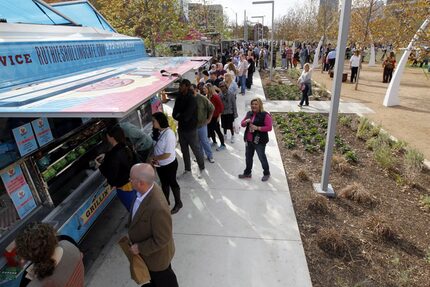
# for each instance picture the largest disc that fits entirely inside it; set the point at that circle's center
(144, 172)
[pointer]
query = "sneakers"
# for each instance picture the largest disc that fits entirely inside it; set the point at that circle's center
(220, 148)
(232, 139)
(214, 144)
(211, 160)
(243, 175)
(265, 177)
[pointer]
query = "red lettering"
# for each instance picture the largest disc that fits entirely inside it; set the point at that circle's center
(27, 58)
(18, 59)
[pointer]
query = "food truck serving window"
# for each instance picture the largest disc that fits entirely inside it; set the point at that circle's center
(30, 12)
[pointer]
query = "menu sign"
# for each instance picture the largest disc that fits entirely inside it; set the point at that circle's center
(25, 139)
(42, 130)
(18, 190)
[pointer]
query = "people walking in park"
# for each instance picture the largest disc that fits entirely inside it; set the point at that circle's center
(303, 56)
(164, 159)
(289, 54)
(185, 112)
(150, 227)
(284, 57)
(354, 64)
(331, 59)
(115, 165)
(258, 123)
(53, 262)
(305, 83)
(389, 65)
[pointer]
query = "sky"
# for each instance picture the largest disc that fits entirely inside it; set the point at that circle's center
(238, 6)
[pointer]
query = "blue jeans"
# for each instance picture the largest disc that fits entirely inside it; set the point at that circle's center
(284, 63)
(249, 155)
(242, 80)
(204, 142)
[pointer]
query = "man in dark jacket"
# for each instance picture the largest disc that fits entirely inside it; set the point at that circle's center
(185, 112)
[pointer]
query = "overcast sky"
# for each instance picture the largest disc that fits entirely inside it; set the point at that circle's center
(238, 6)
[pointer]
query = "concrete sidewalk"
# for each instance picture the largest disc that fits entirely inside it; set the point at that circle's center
(231, 232)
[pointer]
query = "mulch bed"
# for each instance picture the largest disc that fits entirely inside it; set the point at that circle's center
(376, 232)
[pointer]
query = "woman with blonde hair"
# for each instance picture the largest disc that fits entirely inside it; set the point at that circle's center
(258, 123)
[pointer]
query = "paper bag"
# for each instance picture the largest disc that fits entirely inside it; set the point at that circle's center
(138, 269)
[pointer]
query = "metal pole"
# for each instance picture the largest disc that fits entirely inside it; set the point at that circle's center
(271, 42)
(324, 188)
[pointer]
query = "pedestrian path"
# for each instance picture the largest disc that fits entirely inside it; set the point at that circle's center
(315, 107)
(230, 232)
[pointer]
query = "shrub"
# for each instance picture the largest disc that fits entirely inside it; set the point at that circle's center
(381, 230)
(364, 128)
(425, 202)
(340, 165)
(345, 121)
(357, 193)
(351, 156)
(414, 163)
(337, 243)
(384, 157)
(318, 204)
(399, 145)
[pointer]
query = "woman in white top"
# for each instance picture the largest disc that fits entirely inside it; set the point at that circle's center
(354, 63)
(305, 83)
(164, 158)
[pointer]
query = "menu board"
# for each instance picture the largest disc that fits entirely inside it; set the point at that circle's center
(42, 130)
(18, 190)
(25, 139)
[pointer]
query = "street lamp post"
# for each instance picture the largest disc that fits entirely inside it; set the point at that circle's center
(235, 30)
(271, 36)
(262, 27)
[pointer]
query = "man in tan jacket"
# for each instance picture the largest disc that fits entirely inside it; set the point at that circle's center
(150, 227)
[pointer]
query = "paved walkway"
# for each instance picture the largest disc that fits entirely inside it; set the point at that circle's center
(231, 232)
(315, 107)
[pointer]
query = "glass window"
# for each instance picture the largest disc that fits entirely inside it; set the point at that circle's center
(8, 149)
(30, 12)
(8, 214)
(84, 14)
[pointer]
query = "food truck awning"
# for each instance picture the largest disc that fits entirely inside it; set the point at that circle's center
(110, 92)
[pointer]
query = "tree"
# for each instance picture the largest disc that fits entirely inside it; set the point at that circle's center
(363, 15)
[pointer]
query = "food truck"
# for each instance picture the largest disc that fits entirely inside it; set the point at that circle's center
(66, 77)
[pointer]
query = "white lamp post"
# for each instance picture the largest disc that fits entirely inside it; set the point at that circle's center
(271, 36)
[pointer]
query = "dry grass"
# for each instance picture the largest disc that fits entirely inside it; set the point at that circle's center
(381, 230)
(318, 204)
(337, 243)
(297, 156)
(341, 165)
(302, 175)
(357, 193)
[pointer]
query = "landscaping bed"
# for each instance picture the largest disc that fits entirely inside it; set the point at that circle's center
(376, 232)
(278, 89)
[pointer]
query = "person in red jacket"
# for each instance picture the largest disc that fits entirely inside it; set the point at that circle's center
(213, 126)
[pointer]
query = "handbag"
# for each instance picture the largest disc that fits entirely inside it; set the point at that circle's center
(138, 270)
(302, 87)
